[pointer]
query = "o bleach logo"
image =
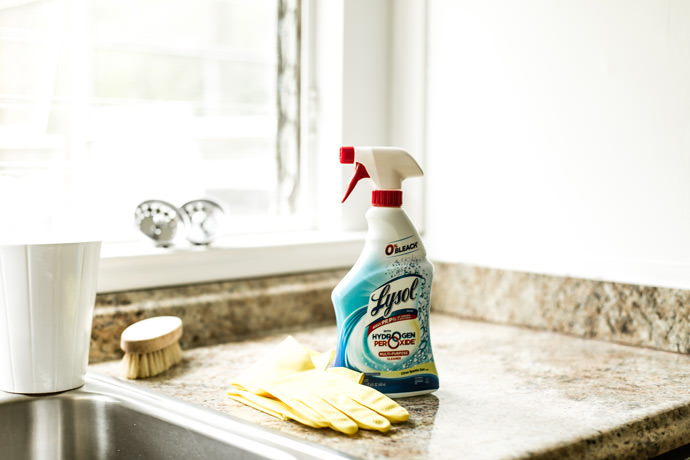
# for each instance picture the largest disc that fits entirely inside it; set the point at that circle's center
(394, 249)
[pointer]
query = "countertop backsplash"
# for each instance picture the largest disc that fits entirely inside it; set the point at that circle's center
(225, 311)
(630, 314)
(219, 312)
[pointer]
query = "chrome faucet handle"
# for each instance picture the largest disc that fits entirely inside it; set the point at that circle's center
(160, 221)
(205, 220)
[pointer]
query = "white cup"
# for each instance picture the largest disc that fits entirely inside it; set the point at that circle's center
(47, 295)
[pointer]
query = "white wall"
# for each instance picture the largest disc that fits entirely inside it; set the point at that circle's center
(348, 95)
(371, 91)
(558, 137)
(365, 95)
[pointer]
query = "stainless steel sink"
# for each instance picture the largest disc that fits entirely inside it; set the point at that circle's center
(109, 419)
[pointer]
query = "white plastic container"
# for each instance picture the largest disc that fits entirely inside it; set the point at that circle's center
(47, 295)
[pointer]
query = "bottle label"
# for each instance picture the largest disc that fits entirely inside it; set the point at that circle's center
(393, 334)
(385, 333)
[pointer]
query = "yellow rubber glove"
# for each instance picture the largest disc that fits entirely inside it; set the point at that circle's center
(272, 406)
(279, 409)
(337, 400)
(292, 382)
(288, 358)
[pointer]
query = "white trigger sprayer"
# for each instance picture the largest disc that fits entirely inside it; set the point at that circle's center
(387, 167)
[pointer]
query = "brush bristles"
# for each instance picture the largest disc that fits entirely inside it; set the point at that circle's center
(143, 365)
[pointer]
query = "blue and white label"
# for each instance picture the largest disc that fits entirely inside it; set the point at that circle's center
(383, 324)
(393, 334)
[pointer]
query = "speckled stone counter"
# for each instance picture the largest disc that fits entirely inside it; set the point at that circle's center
(645, 316)
(506, 392)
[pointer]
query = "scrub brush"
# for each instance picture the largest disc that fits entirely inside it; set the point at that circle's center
(151, 346)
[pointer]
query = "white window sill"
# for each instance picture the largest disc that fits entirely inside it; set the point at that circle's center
(130, 266)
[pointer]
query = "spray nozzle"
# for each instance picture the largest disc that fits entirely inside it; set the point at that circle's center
(347, 155)
(360, 173)
(387, 167)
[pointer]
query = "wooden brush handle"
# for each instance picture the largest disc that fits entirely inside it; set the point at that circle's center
(152, 334)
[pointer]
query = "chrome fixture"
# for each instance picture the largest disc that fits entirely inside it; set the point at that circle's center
(160, 221)
(205, 218)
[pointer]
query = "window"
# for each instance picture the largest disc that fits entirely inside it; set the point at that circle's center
(107, 103)
(245, 101)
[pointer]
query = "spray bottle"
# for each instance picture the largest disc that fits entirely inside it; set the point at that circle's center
(382, 304)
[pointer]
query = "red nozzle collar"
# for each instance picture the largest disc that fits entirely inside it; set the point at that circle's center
(386, 198)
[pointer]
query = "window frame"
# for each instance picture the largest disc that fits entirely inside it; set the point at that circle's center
(140, 265)
(125, 267)
(332, 103)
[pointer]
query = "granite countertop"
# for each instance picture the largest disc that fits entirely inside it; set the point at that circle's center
(506, 392)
